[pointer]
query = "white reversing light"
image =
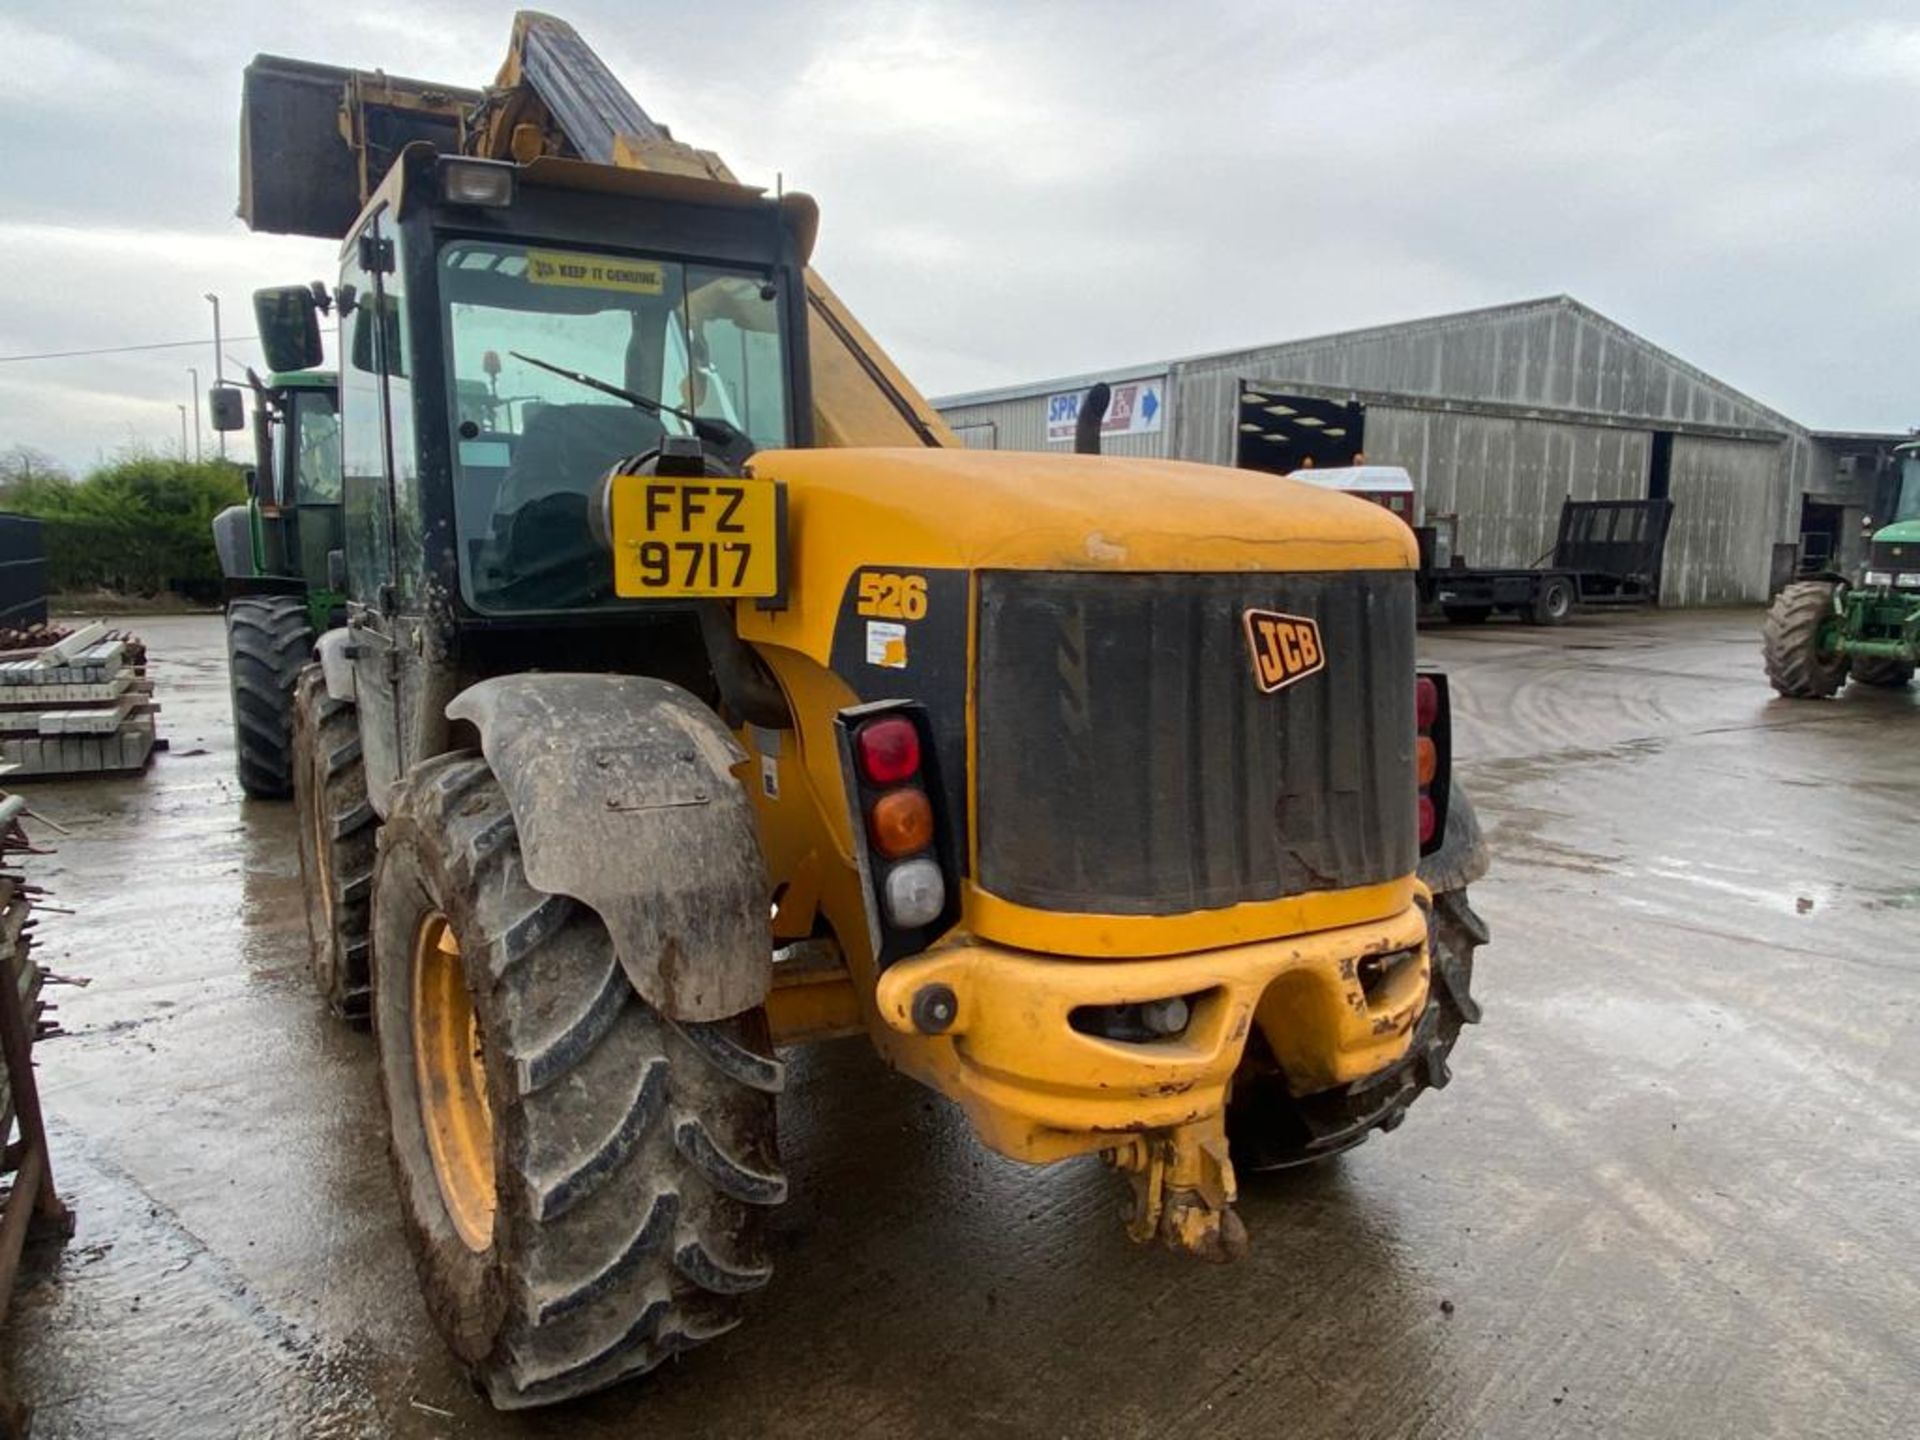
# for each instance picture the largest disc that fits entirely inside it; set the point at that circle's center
(915, 893)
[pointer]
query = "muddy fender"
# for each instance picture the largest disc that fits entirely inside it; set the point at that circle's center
(621, 791)
(1462, 857)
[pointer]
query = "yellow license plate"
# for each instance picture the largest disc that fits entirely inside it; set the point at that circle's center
(708, 537)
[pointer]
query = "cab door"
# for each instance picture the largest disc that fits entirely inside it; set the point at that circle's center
(371, 354)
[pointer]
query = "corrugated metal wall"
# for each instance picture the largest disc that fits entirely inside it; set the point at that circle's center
(1505, 478)
(1020, 423)
(1500, 415)
(1721, 545)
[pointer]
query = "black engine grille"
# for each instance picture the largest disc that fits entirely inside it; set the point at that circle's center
(1128, 763)
(1895, 555)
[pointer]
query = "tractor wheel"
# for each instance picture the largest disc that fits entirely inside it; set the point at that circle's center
(336, 832)
(1554, 603)
(1796, 642)
(1877, 670)
(1466, 614)
(584, 1182)
(269, 638)
(1269, 1128)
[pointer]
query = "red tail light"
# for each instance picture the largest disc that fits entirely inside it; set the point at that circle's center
(1426, 702)
(1430, 758)
(906, 860)
(889, 750)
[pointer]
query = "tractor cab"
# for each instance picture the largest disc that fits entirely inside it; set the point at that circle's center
(1893, 551)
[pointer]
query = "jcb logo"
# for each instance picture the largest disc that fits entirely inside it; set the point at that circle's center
(1285, 648)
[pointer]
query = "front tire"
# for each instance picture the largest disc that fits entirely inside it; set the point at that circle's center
(269, 638)
(1880, 671)
(629, 1161)
(1800, 622)
(1270, 1128)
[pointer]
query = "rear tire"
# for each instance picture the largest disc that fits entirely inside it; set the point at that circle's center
(1880, 671)
(269, 638)
(336, 833)
(1467, 614)
(633, 1158)
(1799, 618)
(1554, 603)
(1270, 1128)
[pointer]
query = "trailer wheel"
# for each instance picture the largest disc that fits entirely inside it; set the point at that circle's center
(1270, 1128)
(1466, 614)
(269, 638)
(1797, 642)
(336, 833)
(584, 1182)
(1554, 603)
(1889, 674)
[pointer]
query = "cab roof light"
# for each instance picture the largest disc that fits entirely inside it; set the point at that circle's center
(477, 182)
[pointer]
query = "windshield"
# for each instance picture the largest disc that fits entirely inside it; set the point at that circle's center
(1907, 505)
(316, 436)
(531, 447)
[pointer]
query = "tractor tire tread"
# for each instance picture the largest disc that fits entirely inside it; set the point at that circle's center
(331, 794)
(1790, 639)
(1269, 1128)
(269, 638)
(616, 1243)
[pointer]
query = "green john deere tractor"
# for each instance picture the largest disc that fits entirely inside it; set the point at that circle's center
(1825, 630)
(275, 559)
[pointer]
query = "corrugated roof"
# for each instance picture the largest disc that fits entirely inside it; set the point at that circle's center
(1453, 320)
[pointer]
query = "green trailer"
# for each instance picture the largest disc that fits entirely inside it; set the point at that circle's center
(275, 559)
(1826, 630)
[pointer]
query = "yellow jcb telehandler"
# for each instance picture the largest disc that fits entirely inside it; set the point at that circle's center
(698, 698)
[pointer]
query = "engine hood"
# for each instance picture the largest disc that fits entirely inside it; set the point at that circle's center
(910, 510)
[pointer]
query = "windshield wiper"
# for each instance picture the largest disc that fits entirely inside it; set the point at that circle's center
(721, 433)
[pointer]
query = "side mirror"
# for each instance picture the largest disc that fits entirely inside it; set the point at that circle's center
(337, 571)
(226, 409)
(288, 318)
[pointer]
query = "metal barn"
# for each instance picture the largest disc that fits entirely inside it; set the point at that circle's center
(1499, 414)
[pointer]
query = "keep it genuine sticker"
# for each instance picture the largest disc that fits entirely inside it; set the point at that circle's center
(1284, 648)
(594, 272)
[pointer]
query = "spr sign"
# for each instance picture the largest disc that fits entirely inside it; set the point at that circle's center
(1136, 407)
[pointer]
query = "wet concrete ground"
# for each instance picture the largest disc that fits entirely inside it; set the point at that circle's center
(1671, 1192)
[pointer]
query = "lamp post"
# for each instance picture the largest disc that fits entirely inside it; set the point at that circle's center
(183, 432)
(194, 396)
(219, 376)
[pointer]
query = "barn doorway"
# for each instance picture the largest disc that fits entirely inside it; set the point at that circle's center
(1281, 432)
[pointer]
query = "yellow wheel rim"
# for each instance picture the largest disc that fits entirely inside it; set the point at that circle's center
(453, 1082)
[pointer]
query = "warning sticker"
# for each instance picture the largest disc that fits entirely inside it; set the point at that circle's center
(887, 644)
(595, 272)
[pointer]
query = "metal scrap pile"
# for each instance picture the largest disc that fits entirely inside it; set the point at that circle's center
(30, 1205)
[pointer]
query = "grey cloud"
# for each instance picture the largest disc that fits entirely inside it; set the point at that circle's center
(1012, 191)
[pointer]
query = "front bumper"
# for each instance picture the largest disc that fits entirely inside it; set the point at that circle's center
(1037, 1089)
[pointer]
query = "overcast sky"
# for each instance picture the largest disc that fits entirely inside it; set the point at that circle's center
(1017, 191)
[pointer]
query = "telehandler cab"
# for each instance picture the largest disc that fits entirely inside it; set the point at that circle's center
(1102, 795)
